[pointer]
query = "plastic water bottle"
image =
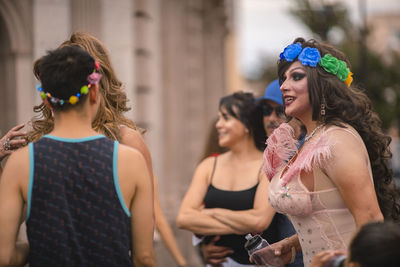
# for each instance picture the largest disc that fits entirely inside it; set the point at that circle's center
(268, 257)
(254, 243)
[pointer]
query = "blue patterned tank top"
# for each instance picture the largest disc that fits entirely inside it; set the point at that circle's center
(76, 213)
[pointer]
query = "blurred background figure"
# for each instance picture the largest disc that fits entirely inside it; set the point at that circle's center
(272, 107)
(227, 197)
(375, 244)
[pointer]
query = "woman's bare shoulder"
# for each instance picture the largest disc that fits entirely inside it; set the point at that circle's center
(345, 135)
(133, 138)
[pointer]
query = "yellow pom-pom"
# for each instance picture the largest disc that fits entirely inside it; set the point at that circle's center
(73, 99)
(349, 79)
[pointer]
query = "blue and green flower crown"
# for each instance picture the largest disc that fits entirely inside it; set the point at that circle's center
(310, 56)
(93, 78)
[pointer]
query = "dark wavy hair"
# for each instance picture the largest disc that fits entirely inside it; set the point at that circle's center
(63, 72)
(349, 104)
(242, 106)
(376, 244)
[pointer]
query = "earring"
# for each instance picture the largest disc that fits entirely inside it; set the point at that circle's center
(322, 109)
(246, 130)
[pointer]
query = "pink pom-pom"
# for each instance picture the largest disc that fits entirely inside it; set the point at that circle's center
(94, 78)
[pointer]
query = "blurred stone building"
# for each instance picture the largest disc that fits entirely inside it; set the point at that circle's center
(176, 58)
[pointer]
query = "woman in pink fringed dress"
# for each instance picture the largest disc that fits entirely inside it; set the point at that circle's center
(338, 180)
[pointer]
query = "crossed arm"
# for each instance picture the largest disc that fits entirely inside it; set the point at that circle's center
(254, 220)
(190, 216)
(193, 217)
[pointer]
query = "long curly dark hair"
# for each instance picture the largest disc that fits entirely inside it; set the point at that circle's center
(113, 101)
(350, 104)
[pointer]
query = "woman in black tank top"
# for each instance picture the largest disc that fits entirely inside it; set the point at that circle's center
(228, 194)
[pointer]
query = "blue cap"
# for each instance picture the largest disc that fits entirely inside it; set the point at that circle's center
(273, 92)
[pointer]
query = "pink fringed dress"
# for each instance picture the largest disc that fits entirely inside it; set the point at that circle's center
(321, 218)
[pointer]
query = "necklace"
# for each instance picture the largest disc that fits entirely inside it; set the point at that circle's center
(308, 137)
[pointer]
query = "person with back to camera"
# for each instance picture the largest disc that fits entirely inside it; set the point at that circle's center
(375, 244)
(231, 185)
(339, 179)
(111, 121)
(273, 115)
(80, 187)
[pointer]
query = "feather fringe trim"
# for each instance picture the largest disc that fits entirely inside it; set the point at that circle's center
(314, 154)
(281, 146)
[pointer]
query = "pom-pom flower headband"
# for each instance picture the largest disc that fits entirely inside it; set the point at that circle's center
(93, 78)
(310, 56)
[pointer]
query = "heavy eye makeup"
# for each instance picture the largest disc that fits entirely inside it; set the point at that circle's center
(297, 76)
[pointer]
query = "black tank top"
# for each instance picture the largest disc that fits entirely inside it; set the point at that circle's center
(236, 200)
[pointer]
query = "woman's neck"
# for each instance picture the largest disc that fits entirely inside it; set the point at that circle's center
(309, 124)
(72, 124)
(244, 150)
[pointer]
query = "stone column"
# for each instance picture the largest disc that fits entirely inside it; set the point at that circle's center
(86, 16)
(117, 35)
(51, 25)
(148, 100)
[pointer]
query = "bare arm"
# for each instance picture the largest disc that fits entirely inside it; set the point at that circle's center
(165, 230)
(137, 191)
(190, 216)
(349, 171)
(253, 220)
(11, 207)
(134, 139)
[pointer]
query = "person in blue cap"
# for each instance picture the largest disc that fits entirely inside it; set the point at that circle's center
(272, 107)
(274, 111)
